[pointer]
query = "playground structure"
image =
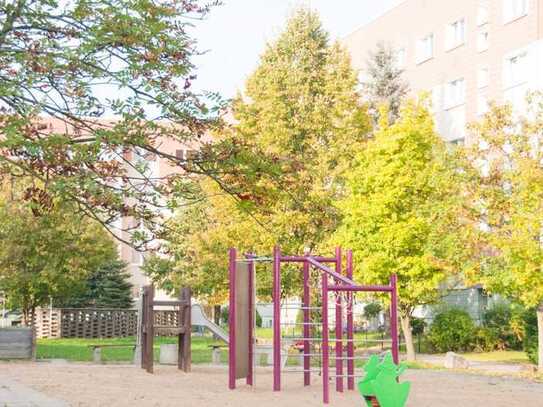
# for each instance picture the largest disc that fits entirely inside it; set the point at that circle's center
(149, 327)
(328, 281)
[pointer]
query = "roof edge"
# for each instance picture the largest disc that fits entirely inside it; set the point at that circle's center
(392, 7)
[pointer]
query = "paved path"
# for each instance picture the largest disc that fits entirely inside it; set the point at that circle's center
(13, 394)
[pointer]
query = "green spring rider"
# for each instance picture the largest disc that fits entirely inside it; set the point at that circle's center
(380, 386)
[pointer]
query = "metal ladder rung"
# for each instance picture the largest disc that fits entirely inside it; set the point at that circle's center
(300, 324)
(345, 375)
(359, 340)
(349, 357)
(294, 338)
(300, 370)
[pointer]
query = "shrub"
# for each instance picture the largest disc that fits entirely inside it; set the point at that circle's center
(529, 343)
(452, 330)
(258, 320)
(486, 339)
(497, 321)
(417, 326)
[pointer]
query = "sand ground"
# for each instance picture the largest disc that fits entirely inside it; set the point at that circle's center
(121, 385)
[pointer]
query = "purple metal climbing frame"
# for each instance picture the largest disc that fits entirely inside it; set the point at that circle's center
(333, 282)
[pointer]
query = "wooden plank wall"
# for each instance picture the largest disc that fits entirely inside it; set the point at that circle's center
(16, 343)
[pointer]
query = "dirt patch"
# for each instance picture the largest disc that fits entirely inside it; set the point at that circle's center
(95, 385)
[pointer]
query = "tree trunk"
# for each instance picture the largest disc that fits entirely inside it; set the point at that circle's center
(405, 322)
(26, 313)
(540, 339)
(217, 314)
(216, 318)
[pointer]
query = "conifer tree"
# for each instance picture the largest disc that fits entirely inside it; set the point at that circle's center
(385, 83)
(107, 286)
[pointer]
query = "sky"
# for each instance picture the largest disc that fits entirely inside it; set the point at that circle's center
(234, 35)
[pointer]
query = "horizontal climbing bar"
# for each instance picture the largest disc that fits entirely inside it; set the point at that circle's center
(301, 259)
(361, 288)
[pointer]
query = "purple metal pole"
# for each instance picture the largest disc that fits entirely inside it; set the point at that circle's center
(307, 329)
(232, 320)
(350, 325)
(394, 318)
(251, 316)
(325, 344)
(276, 318)
(339, 330)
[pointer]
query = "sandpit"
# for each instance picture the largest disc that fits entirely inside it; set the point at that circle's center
(121, 385)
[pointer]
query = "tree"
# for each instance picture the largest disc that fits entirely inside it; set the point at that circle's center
(295, 131)
(508, 197)
(384, 83)
(199, 237)
(372, 310)
(402, 211)
(48, 255)
(78, 62)
(106, 287)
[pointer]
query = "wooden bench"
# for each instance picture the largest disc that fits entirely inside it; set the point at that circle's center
(97, 350)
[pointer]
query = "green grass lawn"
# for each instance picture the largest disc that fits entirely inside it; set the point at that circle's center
(76, 349)
(501, 356)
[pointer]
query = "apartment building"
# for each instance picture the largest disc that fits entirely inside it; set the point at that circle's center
(157, 168)
(464, 53)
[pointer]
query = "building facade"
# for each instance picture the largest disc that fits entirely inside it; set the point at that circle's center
(463, 53)
(158, 169)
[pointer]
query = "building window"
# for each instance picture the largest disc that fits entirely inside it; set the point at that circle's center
(516, 70)
(425, 48)
(137, 257)
(458, 142)
(482, 104)
(482, 40)
(482, 78)
(456, 34)
(454, 93)
(513, 9)
(482, 13)
(401, 57)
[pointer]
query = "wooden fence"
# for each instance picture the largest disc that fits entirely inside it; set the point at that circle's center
(94, 323)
